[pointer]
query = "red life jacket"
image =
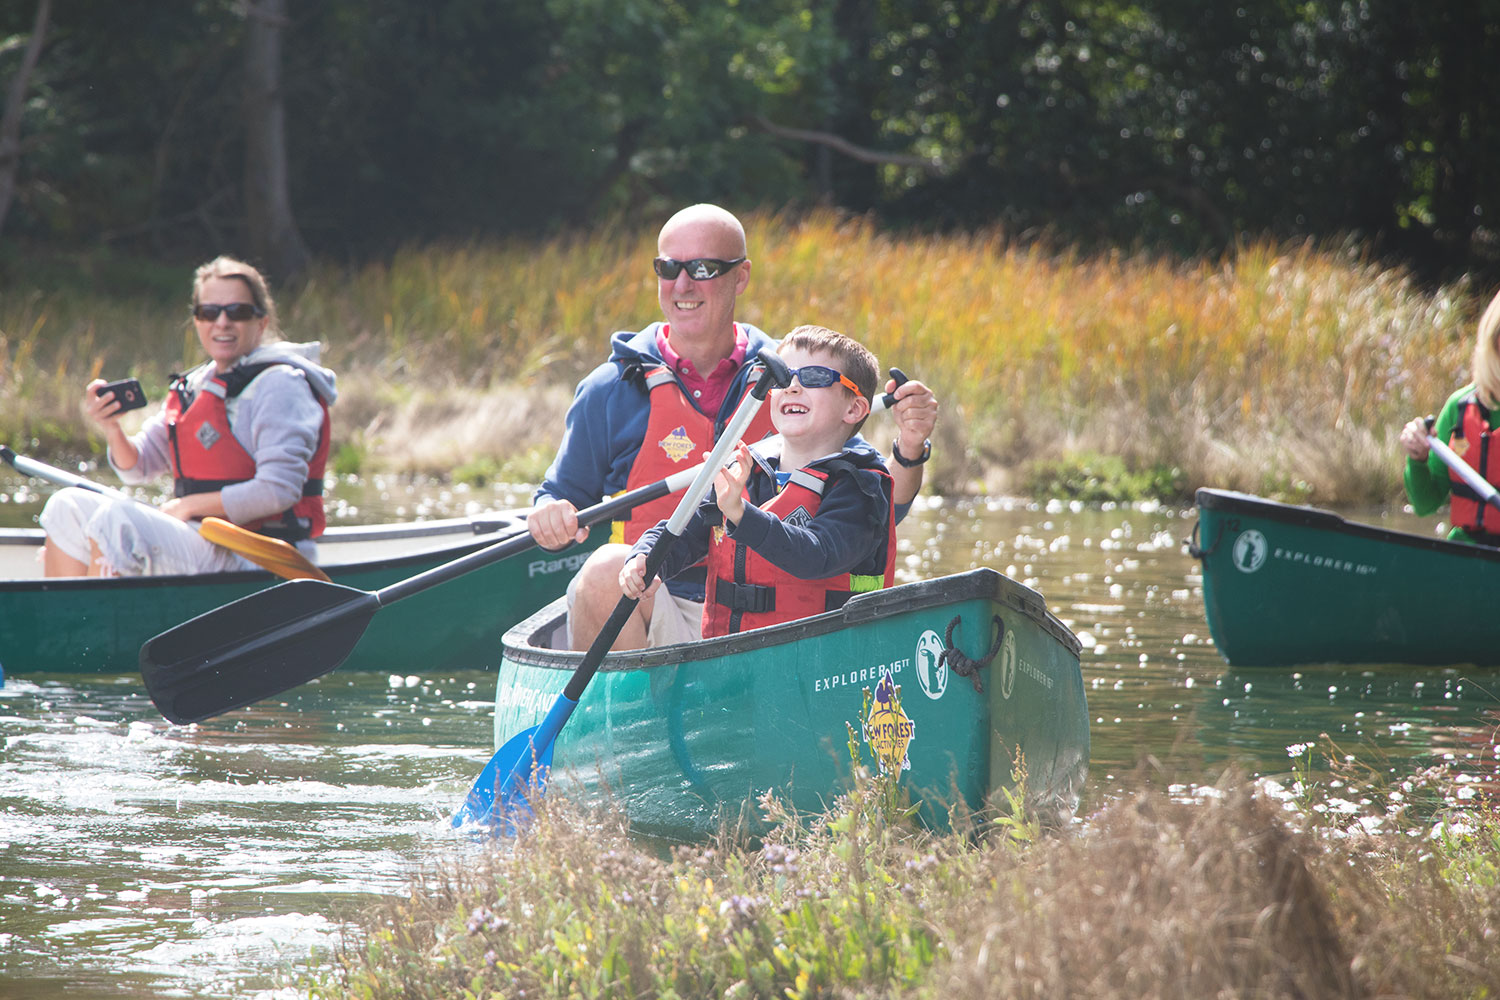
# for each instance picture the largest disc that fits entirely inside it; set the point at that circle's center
(1474, 441)
(206, 457)
(747, 591)
(677, 436)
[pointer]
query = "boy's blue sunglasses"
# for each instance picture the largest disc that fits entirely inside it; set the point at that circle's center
(821, 377)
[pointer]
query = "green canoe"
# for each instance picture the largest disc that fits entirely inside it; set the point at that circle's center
(1284, 585)
(73, 625)
(686, 737)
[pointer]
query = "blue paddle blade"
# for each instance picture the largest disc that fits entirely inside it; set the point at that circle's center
(500, 798)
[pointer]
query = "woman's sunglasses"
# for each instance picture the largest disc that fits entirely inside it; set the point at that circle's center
(236, 311)
(699, 268)
(821, 377)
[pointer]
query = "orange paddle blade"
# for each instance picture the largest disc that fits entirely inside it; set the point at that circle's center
(273, 554)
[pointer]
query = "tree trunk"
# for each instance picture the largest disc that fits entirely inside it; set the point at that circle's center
(274, 239)
(15, 102)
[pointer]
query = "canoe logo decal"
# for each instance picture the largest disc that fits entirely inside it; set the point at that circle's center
(888, 729)
(1250, 551)
(932, 669)
(678, 445)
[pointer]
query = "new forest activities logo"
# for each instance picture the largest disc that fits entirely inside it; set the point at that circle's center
(887, 729)
(678, 444)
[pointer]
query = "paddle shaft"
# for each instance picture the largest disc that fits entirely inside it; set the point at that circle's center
(605, 511)
(31, 467)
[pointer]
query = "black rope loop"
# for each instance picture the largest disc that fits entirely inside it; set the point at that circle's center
(1192, 542)
(959, 663)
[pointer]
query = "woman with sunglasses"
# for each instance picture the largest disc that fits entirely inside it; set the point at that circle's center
(244, 436)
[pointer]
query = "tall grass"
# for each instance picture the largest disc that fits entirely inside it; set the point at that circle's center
(1275, 369)
(1234, 891)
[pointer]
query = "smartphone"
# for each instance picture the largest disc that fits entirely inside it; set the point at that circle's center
(127, 392)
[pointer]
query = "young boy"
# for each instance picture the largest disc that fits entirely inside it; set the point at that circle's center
(800, 533)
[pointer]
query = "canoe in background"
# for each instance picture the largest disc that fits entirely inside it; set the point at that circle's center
(1285, 584)
(74, 625)
(688, 735)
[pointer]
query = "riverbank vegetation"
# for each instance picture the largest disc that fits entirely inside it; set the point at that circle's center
(1283, 370)
(1342, 885)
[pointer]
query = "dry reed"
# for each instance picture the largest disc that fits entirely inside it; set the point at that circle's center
(1275, 369)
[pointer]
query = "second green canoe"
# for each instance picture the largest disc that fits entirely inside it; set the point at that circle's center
(1286, 585)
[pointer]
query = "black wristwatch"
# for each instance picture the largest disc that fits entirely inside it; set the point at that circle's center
(911, 463)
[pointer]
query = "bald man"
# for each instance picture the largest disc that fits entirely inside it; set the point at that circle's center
(656, 406)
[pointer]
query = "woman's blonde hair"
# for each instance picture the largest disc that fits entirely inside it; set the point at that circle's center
(260, 292)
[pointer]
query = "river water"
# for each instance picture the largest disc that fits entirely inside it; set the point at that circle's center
(220, 860)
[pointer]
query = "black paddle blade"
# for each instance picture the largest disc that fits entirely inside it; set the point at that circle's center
(254, 648)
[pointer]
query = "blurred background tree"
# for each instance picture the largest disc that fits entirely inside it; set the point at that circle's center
(1169, 124)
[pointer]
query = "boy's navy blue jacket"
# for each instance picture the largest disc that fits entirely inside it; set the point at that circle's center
(849, 526)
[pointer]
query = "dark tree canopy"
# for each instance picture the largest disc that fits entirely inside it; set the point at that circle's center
(1174, 123)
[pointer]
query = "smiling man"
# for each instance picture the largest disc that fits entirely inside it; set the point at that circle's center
(656, 406)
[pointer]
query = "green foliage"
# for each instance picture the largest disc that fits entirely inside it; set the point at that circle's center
(348, 459)
(1091, 477)
(1172, 123)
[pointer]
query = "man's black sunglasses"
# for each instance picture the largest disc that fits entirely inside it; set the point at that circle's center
(239, 312)
(699, 268)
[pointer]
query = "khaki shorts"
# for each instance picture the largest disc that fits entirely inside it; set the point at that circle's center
(673, 619)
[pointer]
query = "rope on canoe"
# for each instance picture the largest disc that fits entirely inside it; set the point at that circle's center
(959, 663)
(1192, 542)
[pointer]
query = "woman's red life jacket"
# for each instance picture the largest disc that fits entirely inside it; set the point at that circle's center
(747, 591)
(677, 436)
(206, 457)
(1474, 441)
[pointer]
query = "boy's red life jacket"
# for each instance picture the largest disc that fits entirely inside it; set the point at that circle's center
(1475, 442)
(747, 591)
(677, 436)
(206, 457)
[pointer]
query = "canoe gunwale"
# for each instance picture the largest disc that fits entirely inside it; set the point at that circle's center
(471, 535)
(1229, 502)
(976, 584)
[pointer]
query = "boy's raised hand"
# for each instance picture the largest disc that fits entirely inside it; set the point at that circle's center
(729, 484)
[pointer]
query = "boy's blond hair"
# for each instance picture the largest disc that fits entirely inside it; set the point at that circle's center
(1487, 355)
(855, 360)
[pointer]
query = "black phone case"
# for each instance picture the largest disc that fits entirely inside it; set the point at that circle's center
(128, 393)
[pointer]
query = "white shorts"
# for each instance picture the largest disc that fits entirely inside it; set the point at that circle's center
(134, 539)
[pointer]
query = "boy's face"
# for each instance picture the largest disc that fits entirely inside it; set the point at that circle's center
(800, 413)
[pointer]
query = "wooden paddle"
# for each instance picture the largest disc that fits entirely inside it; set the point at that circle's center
(273, 554)
(1465, 471)
(500, 796)
(276, 639)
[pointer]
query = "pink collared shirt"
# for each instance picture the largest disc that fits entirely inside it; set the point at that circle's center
(707, 393)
